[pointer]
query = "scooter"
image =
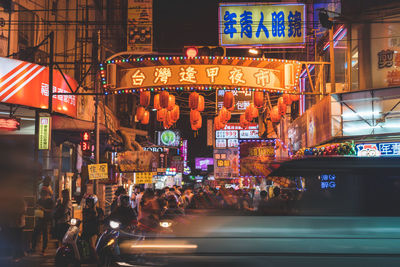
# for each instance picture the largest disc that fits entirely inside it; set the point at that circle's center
(73, 250)
(107, 247)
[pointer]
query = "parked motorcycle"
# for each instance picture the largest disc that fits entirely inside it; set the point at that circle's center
(74, 249)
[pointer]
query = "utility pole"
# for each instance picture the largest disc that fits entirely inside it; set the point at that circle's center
(51, 67)
(97, 130)
(332, 59)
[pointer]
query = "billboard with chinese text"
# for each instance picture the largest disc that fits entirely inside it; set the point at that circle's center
(27, 84)
(226, 163)
(242, 100)
(262, 24)
(232, 133)
(256, 158)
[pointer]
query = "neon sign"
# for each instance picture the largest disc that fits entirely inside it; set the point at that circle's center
(10, 124)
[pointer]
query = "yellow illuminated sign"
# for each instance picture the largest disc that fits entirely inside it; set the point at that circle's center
(44, 133)
(260, 24)
(98, 171)
(144, 177)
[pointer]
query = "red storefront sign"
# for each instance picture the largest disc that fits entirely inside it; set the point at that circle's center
(27, 84)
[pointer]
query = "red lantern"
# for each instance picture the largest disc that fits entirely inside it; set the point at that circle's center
(145, 118)
(166, 125)
(259, 99)
(145, 98)
(243, 122)
(295, 97)
(161, 114)
(217, 126)
(193, 100)
(157, 102)
(275, 116)
(229, 100)
(248, 115)
(200, 106)
(197, 124)
(139, 113)
(175, 113)
(194, 116)
(224, 115)
(287, 99)
(281, 106)
(171, 102)
(253, 111)
(164, 99)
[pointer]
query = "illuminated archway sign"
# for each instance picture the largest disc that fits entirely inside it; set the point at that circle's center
(205, 73)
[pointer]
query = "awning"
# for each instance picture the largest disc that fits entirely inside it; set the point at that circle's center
(338, 164)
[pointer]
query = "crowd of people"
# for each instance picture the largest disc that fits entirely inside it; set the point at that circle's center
(144, 208)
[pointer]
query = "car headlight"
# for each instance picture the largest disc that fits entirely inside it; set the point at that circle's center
(114, 224)
(165, 224)
(74, 221)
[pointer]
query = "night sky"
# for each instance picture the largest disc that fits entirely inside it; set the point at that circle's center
(179, 23)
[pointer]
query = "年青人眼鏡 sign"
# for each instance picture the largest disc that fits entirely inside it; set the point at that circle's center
(260, 24)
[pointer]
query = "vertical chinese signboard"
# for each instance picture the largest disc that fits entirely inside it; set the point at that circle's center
(44, 133)
(140, 26)
(255, 24)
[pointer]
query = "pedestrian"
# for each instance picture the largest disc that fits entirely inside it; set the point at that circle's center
(43, 214)
(263, 203)
(16, 225)
(92, 218)
(120, 191)
(149, 211)
(139, 195)
(46, 185)
(62, 215)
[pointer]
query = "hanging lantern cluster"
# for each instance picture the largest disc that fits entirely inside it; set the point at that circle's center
(167, 111)
(142, 114)
(196, 105)
(280, 109)
(224, 114)
(347, 149)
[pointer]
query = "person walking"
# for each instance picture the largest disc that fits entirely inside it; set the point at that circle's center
(43, 213)
(62, 215)
(92, 218)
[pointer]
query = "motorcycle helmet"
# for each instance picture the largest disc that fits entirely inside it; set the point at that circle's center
(91, 199)
(124, 201)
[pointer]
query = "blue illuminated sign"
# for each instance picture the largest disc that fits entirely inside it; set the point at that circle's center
(328, 181)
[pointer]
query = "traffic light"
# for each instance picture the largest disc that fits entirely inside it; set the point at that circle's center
(201, 51)
(85, 142)
(324, 19)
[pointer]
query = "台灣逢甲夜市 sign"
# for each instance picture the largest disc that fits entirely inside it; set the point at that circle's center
(270, 74)
(261, 24)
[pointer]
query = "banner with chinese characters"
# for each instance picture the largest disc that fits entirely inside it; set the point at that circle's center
(144, 177)
(27, 84)
(385, 53)
(44, 142)
(232, 133)
(256, 158)
(242, 100)
(261, 24)
(98, 171)
(278, 76)
(140, 26)
(131, 161)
